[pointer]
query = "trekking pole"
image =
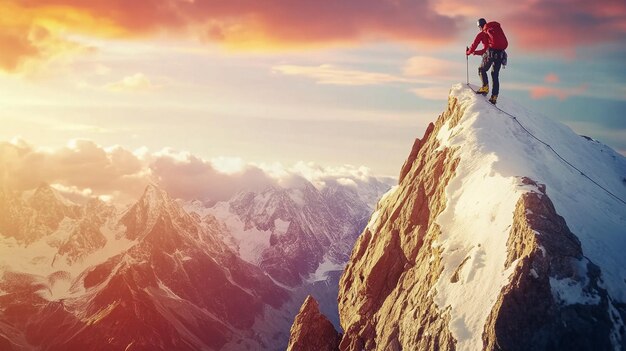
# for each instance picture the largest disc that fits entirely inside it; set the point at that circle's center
(467, 64)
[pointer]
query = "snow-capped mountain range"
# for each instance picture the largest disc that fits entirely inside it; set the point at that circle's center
(490, 241)
(164, 274)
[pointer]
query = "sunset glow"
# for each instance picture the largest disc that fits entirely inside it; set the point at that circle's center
(284, 81)
(183, 175)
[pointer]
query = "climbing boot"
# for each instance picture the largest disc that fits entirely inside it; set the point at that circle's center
(483, 90)
(493, 99)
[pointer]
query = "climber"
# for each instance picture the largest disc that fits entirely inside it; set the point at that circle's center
(494, 43)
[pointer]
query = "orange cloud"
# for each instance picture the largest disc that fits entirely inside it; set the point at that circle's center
(246, 24)
(35, 35)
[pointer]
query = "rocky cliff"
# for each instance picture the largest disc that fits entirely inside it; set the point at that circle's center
(312, 331)
(491, 242)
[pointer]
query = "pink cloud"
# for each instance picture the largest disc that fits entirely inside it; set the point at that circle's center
(542, 92)
(551, 78)
(431, 67)
(548, 25)
(567, 24)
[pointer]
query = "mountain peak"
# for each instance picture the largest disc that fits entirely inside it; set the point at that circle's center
(153, 193)
(312, 331)
(144, 214)
(44, 193)
(154, 199)
(490, 204)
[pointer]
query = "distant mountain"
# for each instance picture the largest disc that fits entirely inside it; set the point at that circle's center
(301, 228)
(301, 236)
(491, 241)
(151, 278)
(167, 275)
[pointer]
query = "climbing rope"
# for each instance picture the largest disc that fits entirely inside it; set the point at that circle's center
(556, 153)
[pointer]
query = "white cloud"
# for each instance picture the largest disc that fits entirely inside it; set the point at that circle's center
(347, 182)
(319, 175)
(83, 169)
(134, 83)
(228, 165)
(329, 74)
(72, 190)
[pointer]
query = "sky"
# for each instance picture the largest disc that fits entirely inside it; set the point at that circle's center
(233, 86)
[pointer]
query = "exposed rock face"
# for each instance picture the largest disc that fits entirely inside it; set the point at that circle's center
(415, 260)
(530, 314)
(384, 299)
(312, 331)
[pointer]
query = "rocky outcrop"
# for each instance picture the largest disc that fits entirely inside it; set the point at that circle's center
(406, 286)
(532, 312)
(385, 300)
(312, 331)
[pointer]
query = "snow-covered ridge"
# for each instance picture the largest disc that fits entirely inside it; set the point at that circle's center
(494, 152)
(288, 227)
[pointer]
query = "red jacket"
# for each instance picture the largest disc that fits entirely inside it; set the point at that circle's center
(492, 36)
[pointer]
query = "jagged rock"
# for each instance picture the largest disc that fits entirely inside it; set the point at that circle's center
(526, 316)
(312, 331)
(442, 266)
(384, 300)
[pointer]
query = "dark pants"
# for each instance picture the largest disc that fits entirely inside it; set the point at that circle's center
(491, 57)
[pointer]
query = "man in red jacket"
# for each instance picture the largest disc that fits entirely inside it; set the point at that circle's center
(494, 43)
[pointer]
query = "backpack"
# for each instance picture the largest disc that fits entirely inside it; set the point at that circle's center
(497, 39)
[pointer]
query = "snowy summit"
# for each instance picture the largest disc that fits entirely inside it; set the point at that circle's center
(494, 152)
(506, 231)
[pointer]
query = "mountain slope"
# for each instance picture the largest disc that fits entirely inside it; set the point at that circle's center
(492, 242)
(291, 232)
(299, 234)
(171, 284)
